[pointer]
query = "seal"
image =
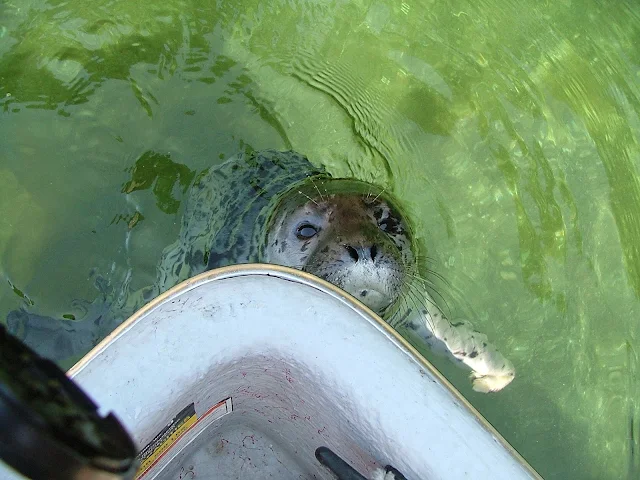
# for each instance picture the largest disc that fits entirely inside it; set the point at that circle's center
(276, 207)
(345, 232)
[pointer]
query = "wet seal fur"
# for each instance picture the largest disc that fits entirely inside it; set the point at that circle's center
(276, 207)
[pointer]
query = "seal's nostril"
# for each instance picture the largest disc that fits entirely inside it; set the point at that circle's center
(352, 252)
(373, 251)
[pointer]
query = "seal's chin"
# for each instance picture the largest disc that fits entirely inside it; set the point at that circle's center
(376, 284)
(372, 298)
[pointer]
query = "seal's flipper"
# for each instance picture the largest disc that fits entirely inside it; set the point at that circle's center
(490, 370)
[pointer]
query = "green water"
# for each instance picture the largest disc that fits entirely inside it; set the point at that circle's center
(510, 130)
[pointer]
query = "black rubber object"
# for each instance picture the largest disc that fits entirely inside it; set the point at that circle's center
(337, 465)
(49, 428)
(344, 471)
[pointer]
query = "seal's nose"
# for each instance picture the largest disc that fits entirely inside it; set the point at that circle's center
(361, 252)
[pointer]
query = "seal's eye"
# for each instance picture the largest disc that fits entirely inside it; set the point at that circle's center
(305, 231)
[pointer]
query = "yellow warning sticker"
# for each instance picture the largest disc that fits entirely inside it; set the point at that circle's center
(175, 430)
(177, 427)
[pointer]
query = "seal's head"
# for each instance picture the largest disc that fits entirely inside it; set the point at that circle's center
(346, 232)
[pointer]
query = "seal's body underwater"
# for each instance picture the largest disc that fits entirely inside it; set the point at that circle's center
(275, 207)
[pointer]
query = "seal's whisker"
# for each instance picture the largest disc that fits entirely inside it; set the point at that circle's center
(426, 257)
(400, 312)
(420, 304)
(317, 189)
(378, 196)
(431, 287)
(410, 307)
(390, 314)
(394, 319)
(415, 290)
(439, 276)
(307, 196)
(447, 308)
(424, 281)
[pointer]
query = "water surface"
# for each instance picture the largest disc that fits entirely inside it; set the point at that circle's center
(510, 130)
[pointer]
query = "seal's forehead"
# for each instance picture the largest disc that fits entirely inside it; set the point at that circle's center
(357, 207)
(343, 197)
(346, 203)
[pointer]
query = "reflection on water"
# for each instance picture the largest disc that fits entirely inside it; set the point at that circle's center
(161, 174)
(510, 129)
